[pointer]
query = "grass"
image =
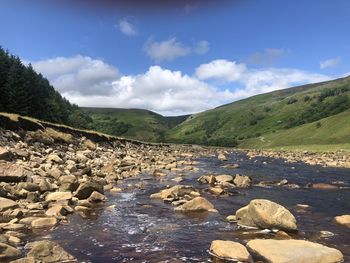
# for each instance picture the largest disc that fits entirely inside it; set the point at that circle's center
(332, 133)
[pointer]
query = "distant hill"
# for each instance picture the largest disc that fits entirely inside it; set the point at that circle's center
(278, 116)
(132, 123)
(25, 92)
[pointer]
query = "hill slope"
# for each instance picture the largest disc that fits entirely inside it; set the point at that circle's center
(258, 116)
(328, 134)
(132, 123)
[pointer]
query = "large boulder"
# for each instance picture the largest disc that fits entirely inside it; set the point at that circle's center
(263, 214)
(87, 188)
(229, 250)
(198, 204)
(6, 204)
(13, 173)
(49, 252)
(243, 217)
(8, 252)
(294, 251)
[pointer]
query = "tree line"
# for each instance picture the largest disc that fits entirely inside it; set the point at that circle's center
(26, 92)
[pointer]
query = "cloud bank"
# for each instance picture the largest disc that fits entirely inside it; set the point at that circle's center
(92, 82)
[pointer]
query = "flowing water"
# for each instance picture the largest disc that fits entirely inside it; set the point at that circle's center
(140, 229)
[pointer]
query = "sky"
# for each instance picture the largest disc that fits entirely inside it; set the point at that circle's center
(177, 57)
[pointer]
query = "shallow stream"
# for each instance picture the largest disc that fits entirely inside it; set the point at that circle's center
(140, 229)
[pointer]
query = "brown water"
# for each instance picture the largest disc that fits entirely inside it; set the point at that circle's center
(139, 229)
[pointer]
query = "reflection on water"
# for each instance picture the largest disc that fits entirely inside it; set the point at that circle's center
(139, 229)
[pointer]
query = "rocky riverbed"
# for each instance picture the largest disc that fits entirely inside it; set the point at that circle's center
(65, 198)
(327, 159)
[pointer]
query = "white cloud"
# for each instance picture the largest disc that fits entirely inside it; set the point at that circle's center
(165, 50)
(92, 82)
(126, 27)
(222, 70)
(161, 90)
(78, 74)
(202, 47)
(270, 79)
(255, 81)
(329, 63)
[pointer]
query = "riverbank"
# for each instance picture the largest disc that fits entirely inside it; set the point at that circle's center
(325, 159)
(51, 175)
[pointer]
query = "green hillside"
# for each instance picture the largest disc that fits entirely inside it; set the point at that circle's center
(328, 134)
(132, 123)
(273, 113)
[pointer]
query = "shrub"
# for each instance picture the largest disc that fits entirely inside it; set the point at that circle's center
(292, 101)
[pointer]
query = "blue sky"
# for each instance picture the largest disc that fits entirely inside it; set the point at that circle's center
(181, 59)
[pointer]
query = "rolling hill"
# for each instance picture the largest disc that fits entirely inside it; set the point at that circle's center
(132, 123)
(308, 114)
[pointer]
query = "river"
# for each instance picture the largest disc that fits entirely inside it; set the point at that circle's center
(139, 229)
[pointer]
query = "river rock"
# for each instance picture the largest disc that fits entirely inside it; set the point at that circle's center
(244, 218)
(90, 145)
(242, 181)
(24, 260)
(222, 157)
(8, 252)
(323, 186)
(59, 196)
(68, 183)
(216, 191)
(229, 250)
(231, 218)
(293, 251)
(5, 154)
(44, 222)
(54, 158)
(174, 192)
(87, 188)
(225, 178)
(207, 179)
(96, 197)
(231, 166)
(343, 220)
(198, 204)
(6, 204)
(57, 211)
(31, 187)
(13, 173)
(49, 252)
(263, 214)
